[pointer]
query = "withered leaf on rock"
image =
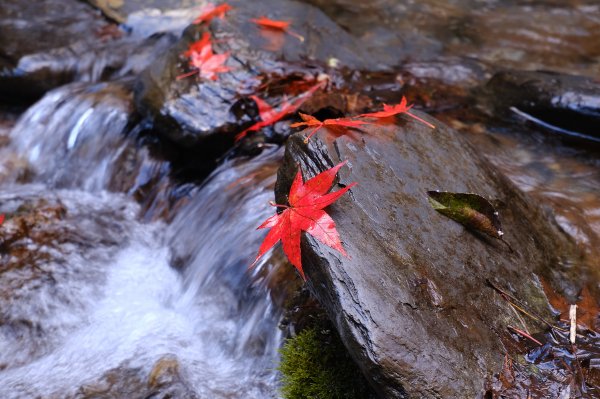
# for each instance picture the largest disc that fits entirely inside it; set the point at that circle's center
(471, 210)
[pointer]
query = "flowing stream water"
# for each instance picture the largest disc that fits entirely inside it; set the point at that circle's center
(114, 300)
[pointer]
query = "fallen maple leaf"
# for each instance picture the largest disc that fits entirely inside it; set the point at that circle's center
(311, 121)
(284, 26)
(270, 115)
(304, 213)
(211, 11)
(391, 110)
(203, 61)
(199, 46)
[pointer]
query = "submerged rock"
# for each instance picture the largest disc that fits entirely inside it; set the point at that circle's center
(165, 380)
(564, 104)
(411, 302)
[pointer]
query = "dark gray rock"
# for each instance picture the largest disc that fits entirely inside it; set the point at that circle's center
(49, 43)
(197, 112)
(565, 104)
(411, 302)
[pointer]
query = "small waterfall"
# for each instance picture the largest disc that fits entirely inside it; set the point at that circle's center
(74, 136)
(124, 293)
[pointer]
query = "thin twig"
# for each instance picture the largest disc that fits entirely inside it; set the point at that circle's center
(519, 306)
(573, 320)
(524, 334)
(520, 318)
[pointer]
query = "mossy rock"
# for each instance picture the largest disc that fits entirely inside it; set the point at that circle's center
(316, 365)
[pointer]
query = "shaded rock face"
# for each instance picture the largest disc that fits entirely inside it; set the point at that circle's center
(205, 113)
(411, 302)
(566, 104)
(52, 42)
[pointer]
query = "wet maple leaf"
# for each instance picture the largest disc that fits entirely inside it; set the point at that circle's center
(199, 46)
(311, 121)
(203, 60)
(284, 26)
(305, 213)
(270, 115)
(391, 110)
(211, 11)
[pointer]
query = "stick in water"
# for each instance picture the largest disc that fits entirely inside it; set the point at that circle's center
(573, 319)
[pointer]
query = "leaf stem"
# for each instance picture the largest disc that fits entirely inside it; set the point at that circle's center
(272, 203)
(185, 75)
(420, 119)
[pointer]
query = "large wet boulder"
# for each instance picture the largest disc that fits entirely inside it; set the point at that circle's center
(49, 43)
(411, 302)
(563, 104)
(208, 114)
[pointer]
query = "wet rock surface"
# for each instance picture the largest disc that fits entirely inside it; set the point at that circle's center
(51, 43)
(496, 32)
(208, 114)
(564, 104)
(121, 10)
(165, 380)
(411, 302)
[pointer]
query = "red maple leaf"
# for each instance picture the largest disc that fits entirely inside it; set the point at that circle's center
(211, 11)
(199, 46)
(305, 213)
(1, 219)
(270, 115)
(311, 121)
(203, 60)
(284, 26)
(391, 110)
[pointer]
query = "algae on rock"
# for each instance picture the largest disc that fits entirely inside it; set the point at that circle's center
(316, 365)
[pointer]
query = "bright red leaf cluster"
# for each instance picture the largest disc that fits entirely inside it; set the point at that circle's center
(388, 111)
(305, 213)
(311, 121)
(203, 60)
(270, 115)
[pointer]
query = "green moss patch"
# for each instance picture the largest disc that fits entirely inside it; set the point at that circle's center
(316, 365)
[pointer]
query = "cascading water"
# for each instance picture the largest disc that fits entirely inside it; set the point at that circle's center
(106, 308)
